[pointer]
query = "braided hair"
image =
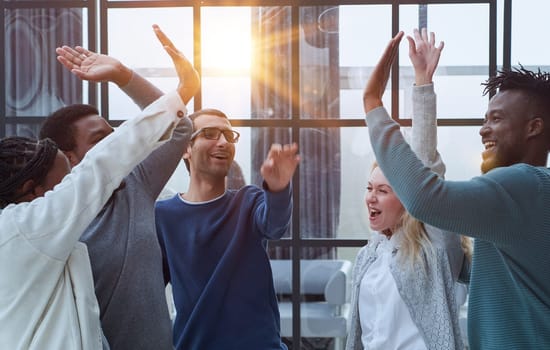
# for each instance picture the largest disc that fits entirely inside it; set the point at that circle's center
(23, 159)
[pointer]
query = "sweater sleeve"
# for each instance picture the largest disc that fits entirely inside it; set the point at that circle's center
(272, 215)
(155, 171)
(493, 207)
(54, 223)
(424, 128)
(424, 144)
(141, 91)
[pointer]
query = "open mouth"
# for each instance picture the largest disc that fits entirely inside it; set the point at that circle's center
(373, 213)
(489, 145)
(219, 155)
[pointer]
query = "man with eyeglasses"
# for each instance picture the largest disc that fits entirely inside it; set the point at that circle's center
(214, 241)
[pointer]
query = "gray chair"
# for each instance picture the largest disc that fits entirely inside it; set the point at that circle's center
(329, 281)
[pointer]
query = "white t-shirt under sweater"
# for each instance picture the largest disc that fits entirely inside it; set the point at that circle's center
(382, 311)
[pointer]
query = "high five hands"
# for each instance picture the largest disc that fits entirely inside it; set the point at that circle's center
(424, 56)
(94, 67)
(189, 78)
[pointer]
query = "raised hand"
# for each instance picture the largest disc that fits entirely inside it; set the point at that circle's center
(279, 166)
(424, 55)
(189, 78)
(94, 67)
(376, 85)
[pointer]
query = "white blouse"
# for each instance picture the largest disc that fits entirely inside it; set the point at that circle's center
(386, 323)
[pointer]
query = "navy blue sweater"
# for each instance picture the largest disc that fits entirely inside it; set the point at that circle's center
(215, 258)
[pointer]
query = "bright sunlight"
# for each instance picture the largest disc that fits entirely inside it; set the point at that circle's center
(226, 40)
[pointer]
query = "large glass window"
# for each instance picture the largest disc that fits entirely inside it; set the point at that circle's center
(282, 73)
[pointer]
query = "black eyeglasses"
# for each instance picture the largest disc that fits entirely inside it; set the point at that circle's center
(211, 133)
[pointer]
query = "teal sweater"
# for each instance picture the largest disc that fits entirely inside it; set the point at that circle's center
(507, 210)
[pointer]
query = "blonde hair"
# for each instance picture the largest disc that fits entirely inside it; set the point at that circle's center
(415, 240)
(467, 247)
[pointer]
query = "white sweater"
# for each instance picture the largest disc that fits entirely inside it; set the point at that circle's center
(47, 298)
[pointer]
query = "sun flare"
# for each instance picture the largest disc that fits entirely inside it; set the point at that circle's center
(226, 40)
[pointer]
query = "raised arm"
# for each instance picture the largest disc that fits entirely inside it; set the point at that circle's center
(424, 56)
(98, 68)
(155, 171)
(189, 78)
(454, 206)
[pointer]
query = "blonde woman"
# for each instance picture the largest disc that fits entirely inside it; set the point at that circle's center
(403, 285)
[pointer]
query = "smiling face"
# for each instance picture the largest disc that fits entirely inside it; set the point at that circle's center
(207, 157)
(504, 131)
(385, 209)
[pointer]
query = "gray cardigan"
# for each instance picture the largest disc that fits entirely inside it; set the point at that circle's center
(430, 295)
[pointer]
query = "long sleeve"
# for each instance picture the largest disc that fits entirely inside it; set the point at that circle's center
(272, 216)
(157, 168)
(424, 128)
(47, 298)
(53, 223)
(141, 91)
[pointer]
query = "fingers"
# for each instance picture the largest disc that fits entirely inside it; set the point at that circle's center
(417, 36)
(83, 51)
(376, 85)
(391, 53)
(164, 40)
(412, 46)
(75, 56)
(283, 151)
(66, 63)
(188, 76)
(425, 35)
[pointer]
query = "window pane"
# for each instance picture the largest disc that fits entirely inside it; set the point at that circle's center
(357, 160)
(26, 130)
(226, 54)
(34, 85)
(464, 62)
(529, 22)
(143, 52)
(228, 94)
(336, 58)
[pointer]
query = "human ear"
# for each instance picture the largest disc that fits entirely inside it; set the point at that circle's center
(187, 153)
(27, 192)
(72, 157)
(535, 127)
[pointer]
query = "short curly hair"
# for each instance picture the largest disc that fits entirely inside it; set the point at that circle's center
(59, 125)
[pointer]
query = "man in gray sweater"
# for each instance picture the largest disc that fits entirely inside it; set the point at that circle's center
(122, 242)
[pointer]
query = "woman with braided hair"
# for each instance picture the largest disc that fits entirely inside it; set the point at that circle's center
(26, 168)
(47, 298)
